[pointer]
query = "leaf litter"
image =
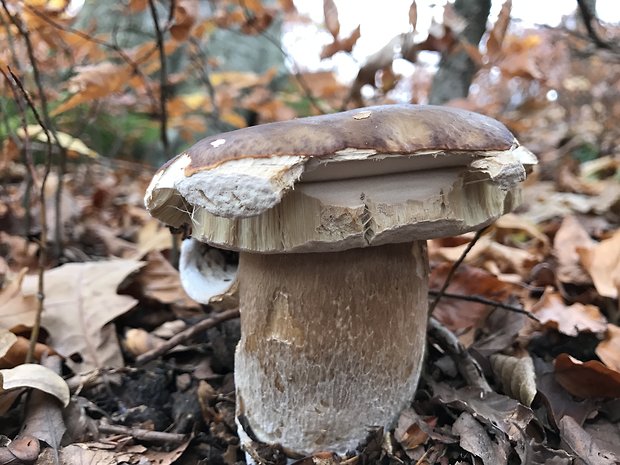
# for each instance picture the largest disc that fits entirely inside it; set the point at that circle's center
(541, 334)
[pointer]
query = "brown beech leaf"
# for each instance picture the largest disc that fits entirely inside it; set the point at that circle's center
(568, 319)
(586, 379)
(185, 13)
(609, 349)
(330, 12)
(569, 237)
(160, 281)
(413, 14)
(468, 281)
(94, 82)
(602, 262)
(497, 34)
(505, 259)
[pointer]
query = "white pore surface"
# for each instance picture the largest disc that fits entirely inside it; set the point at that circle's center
(204, 273)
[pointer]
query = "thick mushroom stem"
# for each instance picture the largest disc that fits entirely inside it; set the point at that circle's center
(332, 343)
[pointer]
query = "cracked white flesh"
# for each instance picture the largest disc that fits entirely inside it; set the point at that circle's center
(250, 186)
(336, 203)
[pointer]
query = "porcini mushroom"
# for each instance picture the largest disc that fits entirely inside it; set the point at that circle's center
(330, 215)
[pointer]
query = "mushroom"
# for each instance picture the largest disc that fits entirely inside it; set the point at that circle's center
(331, 215)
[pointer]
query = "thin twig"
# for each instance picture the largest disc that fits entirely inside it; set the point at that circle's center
(156, 437)
(46, 123)
(163, 76)
(453, 269)
(589, 19)
(483, 300)
(22, 99)
(466, 364)
(187, 334)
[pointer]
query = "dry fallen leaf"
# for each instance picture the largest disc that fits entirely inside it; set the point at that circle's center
(586, 379)
(580, 443)
(160, 281)
(568, 319)
(412, 430)
(37, 377)
(7, 340)
(569, 237)
(17, 311)
(609, 349)
(475, 439)
(602, 262)
(80, 301)
(16, 354)
(517, 376)
(459, 314)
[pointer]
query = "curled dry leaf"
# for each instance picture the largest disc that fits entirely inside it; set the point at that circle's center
(586, 379)
(602, 262)
(609, 349)
(568, 319)
(37, 377)
(512, 222)
(517, 376)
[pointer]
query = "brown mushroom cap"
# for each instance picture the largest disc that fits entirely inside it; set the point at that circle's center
(402, 129)
(226, 179)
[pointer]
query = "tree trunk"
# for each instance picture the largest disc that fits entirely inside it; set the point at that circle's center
(456, 70)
